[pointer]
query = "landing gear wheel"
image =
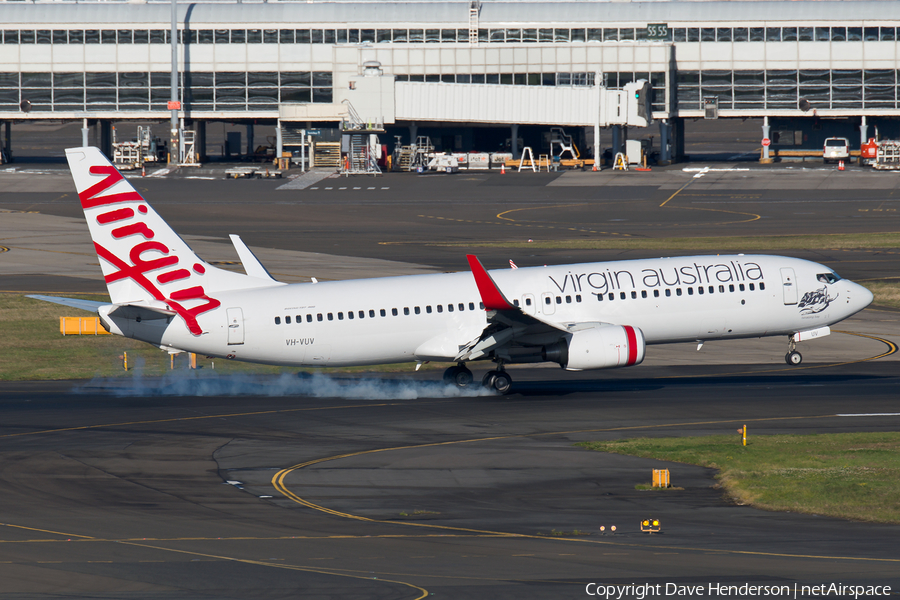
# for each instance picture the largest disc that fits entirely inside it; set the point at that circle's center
(502, 382)
(793, 358)
(459, 376)
(488, 379)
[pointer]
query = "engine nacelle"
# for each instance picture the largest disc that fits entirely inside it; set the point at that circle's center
(605, 347)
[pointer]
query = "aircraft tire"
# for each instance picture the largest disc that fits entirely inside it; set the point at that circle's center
(488, 379)
(450, 374)
(793, 358)
(463, 377)
(502, 382)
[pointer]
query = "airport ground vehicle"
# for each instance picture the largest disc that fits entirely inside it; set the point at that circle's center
(836, 149)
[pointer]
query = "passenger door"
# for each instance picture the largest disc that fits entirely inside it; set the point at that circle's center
(789, 285)
(235, 326)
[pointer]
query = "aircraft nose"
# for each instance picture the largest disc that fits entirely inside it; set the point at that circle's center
(860, 297)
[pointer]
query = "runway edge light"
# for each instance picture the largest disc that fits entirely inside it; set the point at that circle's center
(650, 526)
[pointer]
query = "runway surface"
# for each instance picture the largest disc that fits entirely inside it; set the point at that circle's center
(384, 497)
(393, 486)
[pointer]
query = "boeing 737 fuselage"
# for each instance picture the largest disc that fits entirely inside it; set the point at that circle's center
(582, 316)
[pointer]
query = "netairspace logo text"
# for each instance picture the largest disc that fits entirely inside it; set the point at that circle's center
(716, 590)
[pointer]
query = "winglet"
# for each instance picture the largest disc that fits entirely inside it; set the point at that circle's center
(491, 295)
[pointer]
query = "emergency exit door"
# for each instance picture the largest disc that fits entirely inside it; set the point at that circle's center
(235, 326)
(789, 285)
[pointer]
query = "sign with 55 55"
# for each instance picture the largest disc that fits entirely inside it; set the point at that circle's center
(657, 31)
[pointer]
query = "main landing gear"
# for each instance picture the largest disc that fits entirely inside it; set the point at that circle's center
(498, 380)
(793, 357)
(461, 376)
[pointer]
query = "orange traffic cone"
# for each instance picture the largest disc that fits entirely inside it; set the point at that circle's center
(840, 165)
(595, 167)
(143, 170)
(503, 168)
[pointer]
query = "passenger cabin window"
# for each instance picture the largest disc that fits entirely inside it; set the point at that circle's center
(578, 298)
(331, 316)
(350, 314)
(287, 320)
(721, 289)
(440, 308)
(362, 314)
(559, 299)
(656, 293)
(418, 310)
(633, 295)
(611, 296)
(319, 317)
(668, 292)
(527, 301)
(278, 320)
(762, 285)
(340, 316)
(449, 308)
(752, 287)
(677, 291)
(741, 286)
(462, 305)
(394, 312)
(298, 319)
(568, 299)
(622, 295)
(730, 287)
(516, 302)
(690, 291)
(383, 312)
(406, 310)
(643, 293)
(472, 304)
(481, 305)
(428, 309)
(700, 290)
(547, 300)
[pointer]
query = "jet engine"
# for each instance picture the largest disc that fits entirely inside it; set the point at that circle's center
(604, 347)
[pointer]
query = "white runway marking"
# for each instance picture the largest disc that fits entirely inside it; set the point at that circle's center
(871, 415)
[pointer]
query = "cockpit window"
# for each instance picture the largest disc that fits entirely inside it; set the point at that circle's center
(828, 277)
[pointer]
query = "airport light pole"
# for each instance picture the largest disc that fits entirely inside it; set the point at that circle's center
(174, 104)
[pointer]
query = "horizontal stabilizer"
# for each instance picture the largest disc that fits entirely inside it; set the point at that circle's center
(252, 266)
(88, 305)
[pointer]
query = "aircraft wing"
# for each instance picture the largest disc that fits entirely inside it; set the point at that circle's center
(88, 305)
(506, 321)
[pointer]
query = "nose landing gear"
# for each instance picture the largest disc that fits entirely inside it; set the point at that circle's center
(792, 357)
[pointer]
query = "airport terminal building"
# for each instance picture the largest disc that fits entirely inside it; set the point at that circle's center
(811, 69)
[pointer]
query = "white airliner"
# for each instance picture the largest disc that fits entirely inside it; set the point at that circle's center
(582, 316)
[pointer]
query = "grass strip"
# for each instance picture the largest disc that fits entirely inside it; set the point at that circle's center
(838, 241)
(847, 475)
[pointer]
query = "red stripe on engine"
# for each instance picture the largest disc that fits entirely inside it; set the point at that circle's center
(632, 345)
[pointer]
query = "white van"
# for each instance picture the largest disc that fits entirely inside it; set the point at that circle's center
(836, 149)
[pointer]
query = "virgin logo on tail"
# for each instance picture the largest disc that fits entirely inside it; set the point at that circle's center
(120, 224)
